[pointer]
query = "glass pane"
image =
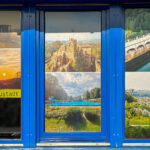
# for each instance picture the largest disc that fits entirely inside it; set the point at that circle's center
(10, 74)
(137, 75)
(73, 71)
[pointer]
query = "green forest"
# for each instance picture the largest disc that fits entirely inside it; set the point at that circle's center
(94, 93)
(136, 23)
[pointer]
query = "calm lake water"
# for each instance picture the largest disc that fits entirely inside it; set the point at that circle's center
(145, 68)
(75, 103)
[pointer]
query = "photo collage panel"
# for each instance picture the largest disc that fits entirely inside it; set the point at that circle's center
(73, 72)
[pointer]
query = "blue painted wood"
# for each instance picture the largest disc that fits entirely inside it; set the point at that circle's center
(68, 136)
(25, 77)
(116, 47)
(120, 95)
(11, 141)
(136, 141)
(108, 73)
(112, 87)
(42, 71)
(33, 80)
(38, 76)
(76, 148)
(112, 76)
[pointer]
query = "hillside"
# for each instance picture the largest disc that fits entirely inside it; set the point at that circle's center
(136, 23)
(73, 57)
(14, 83)
(139, 93)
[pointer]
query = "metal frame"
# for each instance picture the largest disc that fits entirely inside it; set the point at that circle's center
(76, 136)
(23, 86)
(115, 45)
(28, 77)
(135, 6)
(32, 57)
(25, 76)
(113, 42)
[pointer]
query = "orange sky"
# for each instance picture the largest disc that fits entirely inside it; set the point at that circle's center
(10, 63)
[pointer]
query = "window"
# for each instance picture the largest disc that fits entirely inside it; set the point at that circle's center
(73, 72)
(10, 75)
(137, 74)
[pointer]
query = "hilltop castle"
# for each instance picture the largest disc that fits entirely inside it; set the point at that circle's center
(71, 57)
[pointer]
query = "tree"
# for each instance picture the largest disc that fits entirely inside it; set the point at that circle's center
(129, 98)
(71, 98)
(79, 98)
(86, 95)
(95, 93)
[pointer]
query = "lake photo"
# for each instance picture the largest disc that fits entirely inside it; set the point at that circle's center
(72, 101)
(137, 105)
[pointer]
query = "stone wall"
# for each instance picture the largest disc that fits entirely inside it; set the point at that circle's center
(137, 62)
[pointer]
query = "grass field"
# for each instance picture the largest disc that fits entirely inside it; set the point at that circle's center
(72, 119)
(137, 123)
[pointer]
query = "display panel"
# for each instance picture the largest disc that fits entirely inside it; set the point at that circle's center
(72, 72)
(137, 73)
(10, 74)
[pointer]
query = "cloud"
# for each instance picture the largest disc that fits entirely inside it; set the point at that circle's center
(77, 83)
(137, 80)
(10, 57)
(79, 36)
(10, 62)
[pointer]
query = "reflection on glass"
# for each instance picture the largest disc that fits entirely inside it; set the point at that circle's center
(137, 64)
(10, 74)
(72, 72)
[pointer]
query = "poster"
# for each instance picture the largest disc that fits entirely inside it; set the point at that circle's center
(137, 74)
(72, 73)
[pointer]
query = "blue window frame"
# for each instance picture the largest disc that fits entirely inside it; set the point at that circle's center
(113, 42)
(6, 141)
(24, 77)
(113, 69)
(134, 140)
(75, 136)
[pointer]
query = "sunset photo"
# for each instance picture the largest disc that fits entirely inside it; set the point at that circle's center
(10, 61)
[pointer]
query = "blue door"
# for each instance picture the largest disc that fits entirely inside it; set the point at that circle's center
(72, 76)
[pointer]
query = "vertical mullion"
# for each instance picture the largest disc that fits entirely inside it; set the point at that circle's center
(38, 73)
(112, 73)
(116, 38)
(42, 74)
(32, 78)
(104, 73)
(25, 76)
(108, 73)
(120, 48)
